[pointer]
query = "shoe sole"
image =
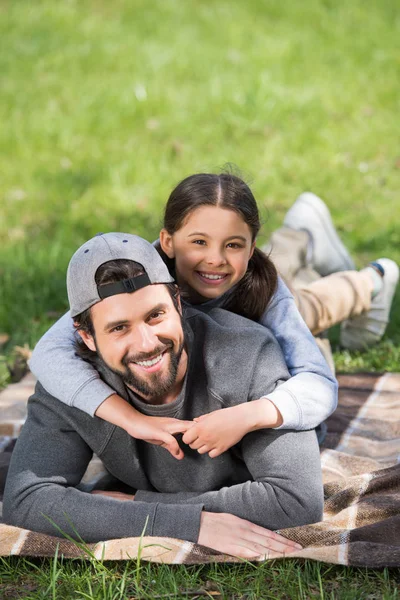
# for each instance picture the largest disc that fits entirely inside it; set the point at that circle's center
(352, 330)
(326, 224)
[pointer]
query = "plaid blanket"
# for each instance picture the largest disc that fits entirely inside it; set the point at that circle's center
(360, 460)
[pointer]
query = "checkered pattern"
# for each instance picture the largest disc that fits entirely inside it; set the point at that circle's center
(360, 460)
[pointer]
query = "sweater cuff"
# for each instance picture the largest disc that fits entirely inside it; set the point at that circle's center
(89, 401)
(181, 521)
(289, 408)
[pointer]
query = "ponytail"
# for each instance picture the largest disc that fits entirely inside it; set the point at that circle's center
(255, 290)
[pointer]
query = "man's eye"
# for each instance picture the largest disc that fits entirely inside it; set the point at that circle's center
(156, 315)
(118, 328)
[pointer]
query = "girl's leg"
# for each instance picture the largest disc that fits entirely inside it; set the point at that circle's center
(333, 299)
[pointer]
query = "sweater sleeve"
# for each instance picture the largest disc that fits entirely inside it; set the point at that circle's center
(48, 461)
(286, 486)
(310, 395)
(63, 374)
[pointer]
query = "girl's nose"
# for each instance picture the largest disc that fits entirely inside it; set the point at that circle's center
(216, 258)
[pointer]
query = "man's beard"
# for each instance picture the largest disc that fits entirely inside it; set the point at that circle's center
(155, 387)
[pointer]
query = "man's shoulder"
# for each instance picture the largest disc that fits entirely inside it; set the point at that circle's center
(227, 335)
(220, 319)
(241, 359)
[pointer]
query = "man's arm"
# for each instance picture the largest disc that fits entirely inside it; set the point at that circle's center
(48, 461)
(286, 489)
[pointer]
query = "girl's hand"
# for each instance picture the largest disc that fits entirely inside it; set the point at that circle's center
(219, 430)
(159, 431)
(216, 432)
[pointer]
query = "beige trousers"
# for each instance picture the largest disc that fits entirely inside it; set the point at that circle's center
(322, 301)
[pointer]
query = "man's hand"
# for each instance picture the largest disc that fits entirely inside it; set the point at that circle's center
(154, 430)
(159, 431)
(221, 429)
(232, 535)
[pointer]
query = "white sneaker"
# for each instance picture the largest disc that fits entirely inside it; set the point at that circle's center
(328, 252)
(367, 329)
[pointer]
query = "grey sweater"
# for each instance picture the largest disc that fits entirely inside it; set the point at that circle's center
(304, 400)
(272, 477)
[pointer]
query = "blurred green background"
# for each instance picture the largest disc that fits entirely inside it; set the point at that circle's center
(105, 106)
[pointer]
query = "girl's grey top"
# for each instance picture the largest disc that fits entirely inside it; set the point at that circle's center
(305, 400)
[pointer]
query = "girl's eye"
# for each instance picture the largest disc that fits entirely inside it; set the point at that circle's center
(234, 245)
(199, 242)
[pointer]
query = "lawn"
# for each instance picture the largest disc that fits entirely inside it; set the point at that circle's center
(105, 106)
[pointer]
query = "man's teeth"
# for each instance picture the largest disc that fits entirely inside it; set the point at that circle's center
(207, 276)
(150, 363)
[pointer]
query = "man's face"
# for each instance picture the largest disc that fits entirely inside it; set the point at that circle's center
(140, 337)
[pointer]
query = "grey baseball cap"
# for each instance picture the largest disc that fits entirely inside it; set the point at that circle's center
(81, 285)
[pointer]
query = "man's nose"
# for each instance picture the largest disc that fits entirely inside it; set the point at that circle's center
(144, 339)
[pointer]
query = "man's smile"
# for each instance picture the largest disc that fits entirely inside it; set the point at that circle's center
(151, 365)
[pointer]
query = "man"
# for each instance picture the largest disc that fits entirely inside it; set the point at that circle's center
(127, 309)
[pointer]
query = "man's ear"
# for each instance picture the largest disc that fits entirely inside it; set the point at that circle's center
(166, 243)
(88, 339)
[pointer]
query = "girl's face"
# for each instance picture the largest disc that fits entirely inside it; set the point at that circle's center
(211, 250)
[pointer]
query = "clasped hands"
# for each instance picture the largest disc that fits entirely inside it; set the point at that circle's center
(212, 433)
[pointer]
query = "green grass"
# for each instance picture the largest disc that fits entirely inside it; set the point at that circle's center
(105, 106)
(292, 580)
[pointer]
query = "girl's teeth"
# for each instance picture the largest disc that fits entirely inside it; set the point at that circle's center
(212, 276)
(150, 363)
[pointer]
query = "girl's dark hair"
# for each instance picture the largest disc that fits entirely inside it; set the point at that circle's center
(226, 190)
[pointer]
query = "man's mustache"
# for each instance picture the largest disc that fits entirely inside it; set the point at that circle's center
(146, 355)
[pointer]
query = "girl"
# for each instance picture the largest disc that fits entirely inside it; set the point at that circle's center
(208, 241)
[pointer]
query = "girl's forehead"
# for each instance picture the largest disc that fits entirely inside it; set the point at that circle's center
(210, 216)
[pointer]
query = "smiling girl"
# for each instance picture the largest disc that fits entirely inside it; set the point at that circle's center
(209, 243)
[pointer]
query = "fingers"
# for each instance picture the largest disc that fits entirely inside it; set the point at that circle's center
(215, 452)
(190, 436)
(171, 444)
(271, 540)
(201, 418)
(198, 443)
(267, 546)
(179, 426)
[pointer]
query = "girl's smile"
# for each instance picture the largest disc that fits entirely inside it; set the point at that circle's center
(211, 249)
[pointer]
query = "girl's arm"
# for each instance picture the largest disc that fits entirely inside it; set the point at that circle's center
(63, 374)
(77, 383)
(302, 402)
(310, 395)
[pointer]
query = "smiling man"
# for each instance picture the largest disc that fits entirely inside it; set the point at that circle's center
(127, 312)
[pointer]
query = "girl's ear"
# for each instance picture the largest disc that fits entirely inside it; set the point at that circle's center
(252, 249)
(166, 243)
(88, 339)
